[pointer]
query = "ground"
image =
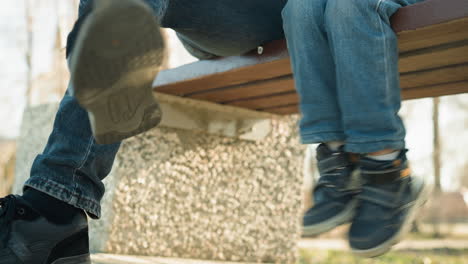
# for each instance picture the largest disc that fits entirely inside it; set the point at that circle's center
(449, 247)
(436, 256)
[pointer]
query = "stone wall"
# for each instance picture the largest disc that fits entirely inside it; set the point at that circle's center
(176, 193)
(35, 129)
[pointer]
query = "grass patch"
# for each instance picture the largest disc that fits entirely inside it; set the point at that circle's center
(440, 256)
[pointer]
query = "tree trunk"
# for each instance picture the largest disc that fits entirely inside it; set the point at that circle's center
(29, 48)
(436, 154)
(436, 162)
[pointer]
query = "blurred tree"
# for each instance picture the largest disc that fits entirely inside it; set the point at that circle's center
(29, 48)
(437, 148)
(464, 176)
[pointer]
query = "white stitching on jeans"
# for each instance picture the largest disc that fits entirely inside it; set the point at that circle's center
(378, 5)
(387, 81)
(88, 151)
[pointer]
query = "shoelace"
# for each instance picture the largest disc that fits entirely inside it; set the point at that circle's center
(7, 213)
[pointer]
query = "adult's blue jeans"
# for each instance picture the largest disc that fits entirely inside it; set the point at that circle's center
(344, 57)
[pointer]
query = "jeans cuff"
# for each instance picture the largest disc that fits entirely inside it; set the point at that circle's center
(62, 193)
(373, 146)
(322, 137)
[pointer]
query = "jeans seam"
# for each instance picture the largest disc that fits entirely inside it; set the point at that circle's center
(385, 46)
(378, 5)
(88, 151)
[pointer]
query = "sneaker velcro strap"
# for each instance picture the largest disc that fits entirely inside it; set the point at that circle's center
(329, 181)
(340, 184)
(378, 196)
(335, 161)
(383, 177)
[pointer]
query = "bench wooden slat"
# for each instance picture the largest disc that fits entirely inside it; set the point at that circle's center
(435, 90)
(453, 54)
(434, 35)
(268, 102)
(286, 84)
(211, 74)
(433, 43)
(449, 74)
(284, 110)
(259, 88)
(222, 72)
(282, 103)
(287, 104)
(427, 13)
(408, 94)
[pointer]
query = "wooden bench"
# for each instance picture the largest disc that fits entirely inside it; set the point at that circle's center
(433, 44)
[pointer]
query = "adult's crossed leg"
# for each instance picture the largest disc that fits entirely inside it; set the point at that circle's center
(73, 165)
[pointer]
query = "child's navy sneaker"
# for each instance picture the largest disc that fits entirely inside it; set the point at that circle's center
(388, 203)
(334, 195)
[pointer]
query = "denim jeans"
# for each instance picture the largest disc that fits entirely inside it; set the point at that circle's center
(345, 62)
(344, 57)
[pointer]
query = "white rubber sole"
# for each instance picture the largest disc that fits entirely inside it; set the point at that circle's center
(425, 192)
(82, 259)
(341, 218)
(117, 55)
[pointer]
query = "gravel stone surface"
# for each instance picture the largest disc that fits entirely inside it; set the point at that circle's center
(192, 195)
(180, 194)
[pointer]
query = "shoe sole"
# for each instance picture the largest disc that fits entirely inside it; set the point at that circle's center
(117, 57)
(406, 226)
(339, 219)
(82, 259)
